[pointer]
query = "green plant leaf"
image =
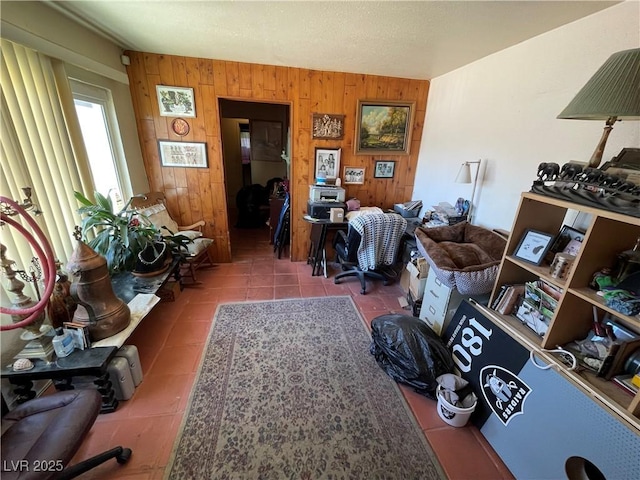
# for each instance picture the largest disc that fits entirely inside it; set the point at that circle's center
(82, 199)
(104, 202)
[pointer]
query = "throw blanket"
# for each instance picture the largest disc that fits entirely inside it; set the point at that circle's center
(381, 234)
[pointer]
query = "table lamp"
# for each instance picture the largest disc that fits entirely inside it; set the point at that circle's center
(612, 94)
(464, 176)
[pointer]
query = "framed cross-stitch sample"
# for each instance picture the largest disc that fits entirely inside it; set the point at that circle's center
(183, 154)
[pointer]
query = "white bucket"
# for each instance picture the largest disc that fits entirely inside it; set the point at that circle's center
(454, 416)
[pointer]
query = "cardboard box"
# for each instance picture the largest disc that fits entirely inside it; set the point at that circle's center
(416, 280)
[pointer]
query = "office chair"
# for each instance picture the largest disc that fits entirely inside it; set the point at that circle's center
(41, 436)
(281, 235)
(369, 247)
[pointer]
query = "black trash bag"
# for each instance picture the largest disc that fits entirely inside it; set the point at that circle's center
(410, 352)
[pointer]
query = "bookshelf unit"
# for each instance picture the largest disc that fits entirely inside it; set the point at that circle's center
(607, 235)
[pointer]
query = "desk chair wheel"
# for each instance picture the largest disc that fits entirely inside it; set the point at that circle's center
(124, 456)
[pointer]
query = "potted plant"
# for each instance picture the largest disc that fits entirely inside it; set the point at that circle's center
(119, 236)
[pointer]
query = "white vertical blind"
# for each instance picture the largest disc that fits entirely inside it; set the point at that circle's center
(37, 150)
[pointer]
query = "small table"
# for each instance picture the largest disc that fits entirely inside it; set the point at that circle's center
(89, 362)
(317, 256)
(126, 285)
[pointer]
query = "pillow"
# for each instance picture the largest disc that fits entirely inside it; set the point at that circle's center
(198, 245)
(190, 234)
(158, 216)
(353, 204)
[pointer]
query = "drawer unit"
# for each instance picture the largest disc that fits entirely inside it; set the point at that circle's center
(439, 303)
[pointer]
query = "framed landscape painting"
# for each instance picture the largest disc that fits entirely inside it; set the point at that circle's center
(383, 127)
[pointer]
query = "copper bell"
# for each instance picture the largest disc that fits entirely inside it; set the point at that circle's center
(98, 307)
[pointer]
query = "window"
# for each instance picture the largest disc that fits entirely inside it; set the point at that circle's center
(98, 124)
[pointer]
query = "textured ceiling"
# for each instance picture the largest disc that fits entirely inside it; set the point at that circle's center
(412, 39)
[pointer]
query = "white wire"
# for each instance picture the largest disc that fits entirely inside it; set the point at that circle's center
(561, 351)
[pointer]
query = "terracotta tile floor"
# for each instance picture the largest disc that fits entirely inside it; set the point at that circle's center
(171, 339)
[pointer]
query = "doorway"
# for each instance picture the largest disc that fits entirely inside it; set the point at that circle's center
(254, 136)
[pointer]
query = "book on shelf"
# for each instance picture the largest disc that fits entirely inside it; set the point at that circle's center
(510, 299)
(625, 383)
(499, 296)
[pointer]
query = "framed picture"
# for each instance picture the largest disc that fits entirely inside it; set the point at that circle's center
(383, 127)
(327, 126)
(533, 246)
(175, 101)
(266, 141)
(327, 163)
(384, 169)
(566, 236)
(183, 154)
(353, 176)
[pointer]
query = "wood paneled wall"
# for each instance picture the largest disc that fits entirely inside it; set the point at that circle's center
(195, 193)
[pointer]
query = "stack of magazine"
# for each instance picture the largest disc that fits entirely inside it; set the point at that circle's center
(533, 303)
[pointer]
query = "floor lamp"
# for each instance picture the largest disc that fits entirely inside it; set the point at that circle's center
(464, 176)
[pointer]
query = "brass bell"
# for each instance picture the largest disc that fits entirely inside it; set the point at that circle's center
(98, 307)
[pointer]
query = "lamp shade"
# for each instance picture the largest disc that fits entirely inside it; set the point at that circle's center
(613, 91)
(464, 174)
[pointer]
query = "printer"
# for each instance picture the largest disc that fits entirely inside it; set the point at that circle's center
(326, 193)
(322, 198)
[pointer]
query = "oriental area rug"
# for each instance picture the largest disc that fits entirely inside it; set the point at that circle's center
(287, 389)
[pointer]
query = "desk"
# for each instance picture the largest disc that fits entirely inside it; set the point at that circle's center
(89, 362)
(317, 256)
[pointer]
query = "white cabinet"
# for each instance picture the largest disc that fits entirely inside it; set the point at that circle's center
(439, 303)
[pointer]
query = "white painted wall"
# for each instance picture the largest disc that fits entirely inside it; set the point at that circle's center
(503, 108)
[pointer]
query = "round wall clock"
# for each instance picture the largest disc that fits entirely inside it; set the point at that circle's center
(180, 126)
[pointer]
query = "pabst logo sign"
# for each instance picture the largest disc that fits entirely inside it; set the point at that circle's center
(504, 392)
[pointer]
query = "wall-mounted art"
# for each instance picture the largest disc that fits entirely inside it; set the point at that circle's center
(327, 163)
(327, 126)
(353, 176)
(180, 127)
(384, 169)
(175, 101)
(266, 141)
(182, 154)
(383, 127)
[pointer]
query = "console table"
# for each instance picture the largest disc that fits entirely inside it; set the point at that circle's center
(89, 362)
(139, 294)
(126, 285)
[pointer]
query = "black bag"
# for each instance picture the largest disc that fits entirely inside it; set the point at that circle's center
(410, 352)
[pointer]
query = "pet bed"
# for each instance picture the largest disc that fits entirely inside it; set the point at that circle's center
(464, 256)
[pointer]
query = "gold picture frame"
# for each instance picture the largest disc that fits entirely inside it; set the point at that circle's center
(384, 128)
